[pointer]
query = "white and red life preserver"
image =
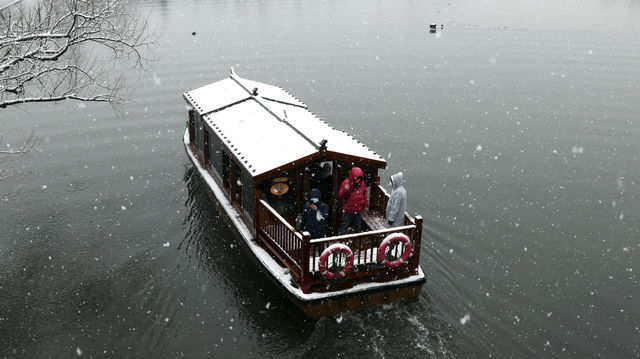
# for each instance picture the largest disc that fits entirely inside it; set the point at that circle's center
(391, 240)
(334, 273)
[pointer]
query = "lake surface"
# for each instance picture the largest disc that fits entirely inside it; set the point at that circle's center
(517, 127)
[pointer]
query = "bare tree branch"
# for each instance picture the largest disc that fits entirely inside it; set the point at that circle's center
(68, 49)
(29, 144)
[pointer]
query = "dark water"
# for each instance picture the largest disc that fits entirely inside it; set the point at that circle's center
(517, 129)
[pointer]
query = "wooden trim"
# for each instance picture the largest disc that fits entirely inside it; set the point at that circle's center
(328, 156)
(417, 239)
(301, 183)
(361, 299)
(359, 161)
(288, 167)
(318, 284)
(305, 276)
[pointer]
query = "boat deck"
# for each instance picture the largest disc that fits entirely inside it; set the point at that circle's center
(374, 220)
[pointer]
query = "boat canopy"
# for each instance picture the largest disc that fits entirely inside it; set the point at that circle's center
(267, 128)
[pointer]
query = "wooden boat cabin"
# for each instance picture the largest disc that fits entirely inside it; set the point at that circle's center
(260, 152)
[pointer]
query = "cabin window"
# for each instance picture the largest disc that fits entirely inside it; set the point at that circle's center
(192, 115)
(200, 134)
(206, 145)
(237, 186)
(226, 170)
(196, 121)
(215, 156)
(248, 195)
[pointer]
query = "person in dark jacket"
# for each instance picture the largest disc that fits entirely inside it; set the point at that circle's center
(397, 204)
(314, 216)
(353, 193)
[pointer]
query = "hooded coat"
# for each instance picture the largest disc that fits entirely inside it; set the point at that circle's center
(315, 222)
(397, 204)
(354, 198)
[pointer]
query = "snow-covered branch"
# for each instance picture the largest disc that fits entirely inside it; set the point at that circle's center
(68, 49)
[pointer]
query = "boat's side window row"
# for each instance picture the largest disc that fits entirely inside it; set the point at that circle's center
(221, 164)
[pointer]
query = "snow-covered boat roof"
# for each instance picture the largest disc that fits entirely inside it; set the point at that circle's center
(266, 127)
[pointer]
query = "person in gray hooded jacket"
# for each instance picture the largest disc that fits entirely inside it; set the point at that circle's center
(397, 204)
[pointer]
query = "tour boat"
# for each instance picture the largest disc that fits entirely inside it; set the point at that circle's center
(260, 152)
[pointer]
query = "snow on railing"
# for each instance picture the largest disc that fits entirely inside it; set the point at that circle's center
(301, 254)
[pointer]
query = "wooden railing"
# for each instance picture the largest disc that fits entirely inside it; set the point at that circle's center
(301, 254)
(280, 237)
(365, 246)
(379, 199)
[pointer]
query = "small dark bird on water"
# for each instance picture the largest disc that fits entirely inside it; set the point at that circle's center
(193, 33)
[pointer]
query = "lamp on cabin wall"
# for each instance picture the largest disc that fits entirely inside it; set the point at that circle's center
(279, 186)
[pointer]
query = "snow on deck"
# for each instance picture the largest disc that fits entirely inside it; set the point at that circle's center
(279, 272)
(216, 95)
(270, 129)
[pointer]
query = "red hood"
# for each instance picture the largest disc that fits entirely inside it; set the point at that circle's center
(355, 172)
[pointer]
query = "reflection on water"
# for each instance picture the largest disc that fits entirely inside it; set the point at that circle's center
(519, 147)
(268, 318)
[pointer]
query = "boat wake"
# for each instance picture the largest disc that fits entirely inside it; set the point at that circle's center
(401, 329)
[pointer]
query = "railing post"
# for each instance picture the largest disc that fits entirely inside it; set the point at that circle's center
(258, 219)
(417, 239)
(305, 276)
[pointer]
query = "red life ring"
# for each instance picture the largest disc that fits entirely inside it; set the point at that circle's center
(334, 273)
(391, 240)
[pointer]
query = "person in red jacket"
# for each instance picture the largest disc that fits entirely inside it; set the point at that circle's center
(353, 193)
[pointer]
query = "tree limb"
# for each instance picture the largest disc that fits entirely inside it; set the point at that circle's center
(55, 50)
(29, 144)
